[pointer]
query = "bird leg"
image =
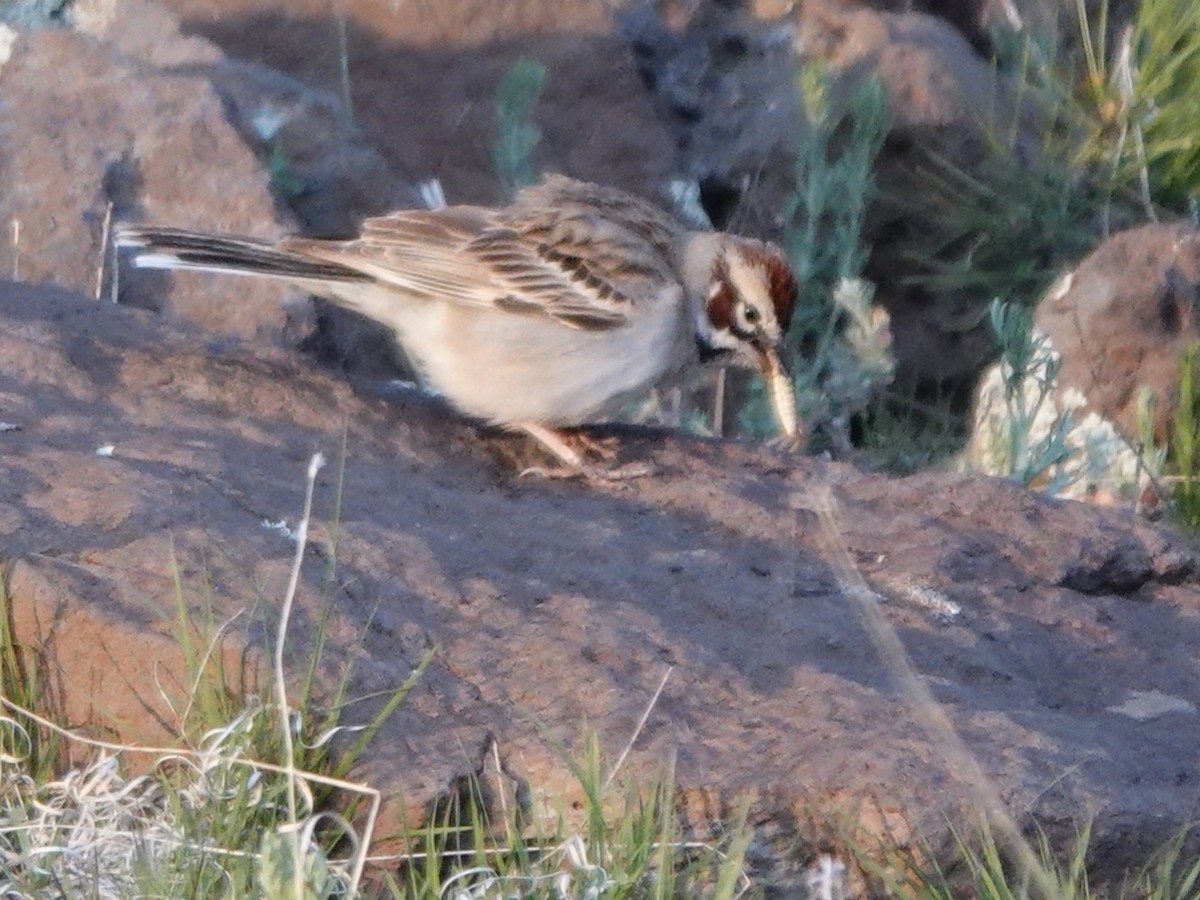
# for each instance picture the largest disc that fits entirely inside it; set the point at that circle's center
(573, 463)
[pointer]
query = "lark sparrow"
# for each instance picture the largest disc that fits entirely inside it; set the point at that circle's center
(554, 311)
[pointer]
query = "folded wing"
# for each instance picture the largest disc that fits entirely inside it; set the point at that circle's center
(470, 255)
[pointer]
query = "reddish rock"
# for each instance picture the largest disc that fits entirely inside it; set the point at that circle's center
(1124, 318)
(82, 127)
(423, 80)
(1055, 637)
(1039, 626)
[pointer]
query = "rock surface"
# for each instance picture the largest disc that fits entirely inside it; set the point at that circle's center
(1040, 626)
(1124, 318)
(83, 127)
(423, 77)
(1058, 639)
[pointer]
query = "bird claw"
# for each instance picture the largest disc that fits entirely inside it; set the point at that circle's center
(574, 464)
(554, 473)
(626, 472)
(591, 473)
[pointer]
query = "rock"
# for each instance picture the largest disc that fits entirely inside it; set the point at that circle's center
(319, 160)
(81, 128)
(457, 23)
(143, 30)
(300, 141)
(700, 76)
(969, 17)
(330, 178)
(1040, 626)
(1123, 319)
(322, 165)
(423, 82)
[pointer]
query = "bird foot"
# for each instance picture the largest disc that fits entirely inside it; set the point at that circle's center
(585, 472)
(571, 450)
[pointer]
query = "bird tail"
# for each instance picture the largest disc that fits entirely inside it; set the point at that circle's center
(177, 248)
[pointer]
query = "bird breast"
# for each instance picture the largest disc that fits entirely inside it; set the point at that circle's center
(508, 368)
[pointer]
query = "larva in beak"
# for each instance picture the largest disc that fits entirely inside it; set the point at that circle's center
(783, 392)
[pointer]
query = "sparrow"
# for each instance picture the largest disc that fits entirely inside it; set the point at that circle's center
(550, 313)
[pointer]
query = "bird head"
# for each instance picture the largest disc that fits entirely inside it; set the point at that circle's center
(747, 291)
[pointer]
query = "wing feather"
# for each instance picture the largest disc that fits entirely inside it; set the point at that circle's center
(559, 251)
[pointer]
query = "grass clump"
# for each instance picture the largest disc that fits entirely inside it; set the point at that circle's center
(1094, 138)
(1183, 450)
(624, 843)
(25, 683)
(1004, 230)
(834, 177)
(1030, 427)
(1027, 436)
(983, 870)
(1141, 101)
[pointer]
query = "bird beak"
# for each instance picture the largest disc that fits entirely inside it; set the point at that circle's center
(783, 392)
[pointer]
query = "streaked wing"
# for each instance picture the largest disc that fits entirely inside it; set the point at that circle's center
(469, 255)
(550, 281)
